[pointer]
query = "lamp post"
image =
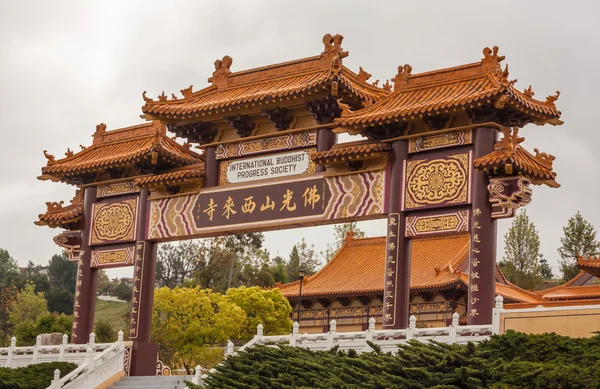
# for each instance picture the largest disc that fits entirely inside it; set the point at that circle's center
(301, 274)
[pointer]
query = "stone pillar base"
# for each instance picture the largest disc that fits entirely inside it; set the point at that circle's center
(143, 359)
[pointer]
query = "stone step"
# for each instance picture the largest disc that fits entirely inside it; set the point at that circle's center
(169, 382)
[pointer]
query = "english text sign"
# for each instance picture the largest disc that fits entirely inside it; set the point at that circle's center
(267, 166)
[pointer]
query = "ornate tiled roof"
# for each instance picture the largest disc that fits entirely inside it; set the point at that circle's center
(447, 90)
(509, 151)
(59, 216)
(269, 84)
(578, 287)
(173, 177)
(350, 151)
(358, 268)
(120, 148)
(590, 265)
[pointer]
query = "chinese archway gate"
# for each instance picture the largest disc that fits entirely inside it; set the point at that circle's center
(441, 155)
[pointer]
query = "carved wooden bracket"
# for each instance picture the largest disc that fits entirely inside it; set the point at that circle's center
(507, 116)
(436, 122)
(279, 117)
(194, 132)
(386, 131)
(241, 124)
(307, 304)
(324, 110)
(325, 303)
(453, 294)
(364, 300)
(507, 194)
(345, 301)
(427, 296)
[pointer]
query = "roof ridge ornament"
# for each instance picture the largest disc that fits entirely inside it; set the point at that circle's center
(147, 99)
(510, 139)
(69, 152)
(333, 47)
(222, 72)
(401, 79)
(491, 60)
(49, 157)
(99, 134)
(529, 92)
(544, 158)
(363, 76)
(344, 107)
(187, 92)
(387, 86)
(53, 206)
(552, 98)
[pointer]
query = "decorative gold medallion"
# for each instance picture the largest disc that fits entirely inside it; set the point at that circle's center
(114, 222)
(437, 182)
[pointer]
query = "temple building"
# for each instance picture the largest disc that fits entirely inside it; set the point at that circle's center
(583, 288)
(349, 288)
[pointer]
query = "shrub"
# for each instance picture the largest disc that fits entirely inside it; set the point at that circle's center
(38, 376)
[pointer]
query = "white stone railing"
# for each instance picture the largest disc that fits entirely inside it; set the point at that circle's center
(95, 369)
(14, 356)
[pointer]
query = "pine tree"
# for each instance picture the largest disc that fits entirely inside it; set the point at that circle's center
(579, 239)
(522, 246)
(339, 234)
(545, 269)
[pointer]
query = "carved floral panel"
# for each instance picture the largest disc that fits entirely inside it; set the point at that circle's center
(114, 222)
(437, 181)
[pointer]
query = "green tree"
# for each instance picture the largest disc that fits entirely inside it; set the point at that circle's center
(579, 239)
(188, 323)
(61, 301)
(104, 332)
(267, 307)
(521, 252)
(340, 231)
(278, 270)
(8, 297)
(123, 291)
(62, 272)
(545, 269)
(8, 267)
(303, 257)
(103, 282)
(27, 309)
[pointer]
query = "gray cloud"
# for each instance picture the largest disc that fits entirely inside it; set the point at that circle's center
(66, 66)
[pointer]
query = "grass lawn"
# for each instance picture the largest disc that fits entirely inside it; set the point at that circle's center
(113, 312)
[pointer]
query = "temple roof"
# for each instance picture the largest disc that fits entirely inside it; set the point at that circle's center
(120, 148)
(447, 90)
(358, 268)
(583, 286)
(59, 216)
(268, 84)
(590, 265)
(509, 151)
(362, 149)
(172, 177)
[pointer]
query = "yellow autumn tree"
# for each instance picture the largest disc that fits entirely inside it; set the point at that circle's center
(191, 325)
(267, 307)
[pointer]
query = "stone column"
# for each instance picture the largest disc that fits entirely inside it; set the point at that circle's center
(325, 141)
(482, 265)
(396, 291)
(87, 278)
(145, 354)
(211, 174)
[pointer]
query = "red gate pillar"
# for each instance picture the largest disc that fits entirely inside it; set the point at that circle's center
(396, 291)
(87, 278)
(211, 170)
(325, 141)
(144, 353)
(482, 266)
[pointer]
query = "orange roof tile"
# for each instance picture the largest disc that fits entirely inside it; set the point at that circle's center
(173, 177)
(59, 216)
(118, 148)
(572, 289)
(278, 81)
(358, 268)
(444, 90)
(589, 262)
(509, 150)
(340, 152)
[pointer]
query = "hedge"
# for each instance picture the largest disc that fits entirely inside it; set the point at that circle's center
(509, 361)
(38, 376)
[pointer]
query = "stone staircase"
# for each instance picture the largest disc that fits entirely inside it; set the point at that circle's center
(168, 382)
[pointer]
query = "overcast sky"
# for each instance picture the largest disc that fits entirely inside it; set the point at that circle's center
(67, 66)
